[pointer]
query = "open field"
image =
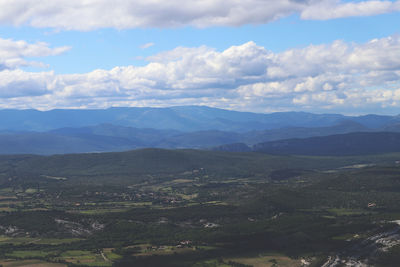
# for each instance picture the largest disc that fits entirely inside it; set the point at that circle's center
(267, 261)
(84, 258)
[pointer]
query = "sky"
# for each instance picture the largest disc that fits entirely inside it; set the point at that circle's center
(321, 56)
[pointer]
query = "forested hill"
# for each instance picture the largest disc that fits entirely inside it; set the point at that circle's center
(335, 145)
(135, 163)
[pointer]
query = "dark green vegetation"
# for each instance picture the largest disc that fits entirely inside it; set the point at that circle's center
(198, 208)
(335, 145)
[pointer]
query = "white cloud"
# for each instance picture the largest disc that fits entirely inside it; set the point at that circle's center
(17, 83)
(124, 14)
(13, 54)
(248, 77)
(147, 45)
(333, 9)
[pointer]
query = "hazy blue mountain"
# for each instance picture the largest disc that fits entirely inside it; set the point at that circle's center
(47, 143)
(234, 147)
(395, 127)
(183, 118)
(154, 137)
(345, 126)
(174, 138)
(136, 136)
(200, 139)
(103, 138)
(219, 119)
(376, 121)
(108, 137)
(335, 145)
(119, 129)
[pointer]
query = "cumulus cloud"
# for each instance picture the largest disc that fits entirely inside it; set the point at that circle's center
(13, 54)
(124, 14)
(333, 9)
(18, 83)
(332, 76)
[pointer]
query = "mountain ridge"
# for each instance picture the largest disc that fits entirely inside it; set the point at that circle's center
(63, 131)
(181, 118)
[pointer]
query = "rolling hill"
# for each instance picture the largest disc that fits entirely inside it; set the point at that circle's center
(129, 164)
(335, 145)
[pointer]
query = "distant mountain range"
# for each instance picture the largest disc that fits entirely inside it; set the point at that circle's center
(120, 129)
(108, 137)
(183, 118)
